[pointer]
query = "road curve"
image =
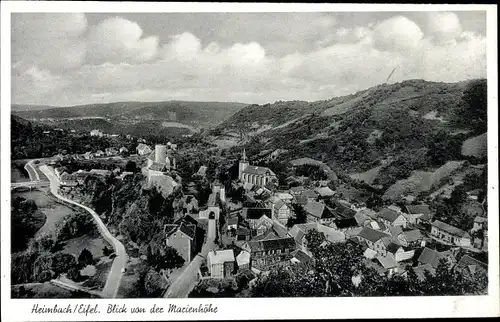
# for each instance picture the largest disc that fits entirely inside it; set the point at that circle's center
(34, 176)
(110, 290)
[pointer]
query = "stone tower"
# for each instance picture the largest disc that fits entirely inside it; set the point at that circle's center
(243, 164)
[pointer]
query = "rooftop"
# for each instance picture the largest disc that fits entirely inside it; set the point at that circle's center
(371, 234)
(388, 214)
(221, 256)
(255, 213)
(418, 209)
(450, 229)
(256, 170)
(272, 244)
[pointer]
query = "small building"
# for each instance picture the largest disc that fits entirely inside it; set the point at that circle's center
(302, 258)
(398, 252)
(416, 214)
(253, 215)
(344, 224)
(450, 234)
(319, 212)
(243, 260)
(281, 211)
(266, 254)
(221, 263)
(324, 192)
(470, 266)
(373, 239)
(243, 233)
(182, 237)
(123, 150)
(68, 180)
(433, 257)
(392, 218)
(410, 238)
(143, 149)
(232, 223)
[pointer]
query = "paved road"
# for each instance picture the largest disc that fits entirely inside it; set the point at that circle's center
(185, 283)
(30, 167)
(188, 279)
(120, 262)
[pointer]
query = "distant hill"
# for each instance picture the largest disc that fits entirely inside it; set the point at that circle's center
(19, 108)
(381, 134)
(201, 114)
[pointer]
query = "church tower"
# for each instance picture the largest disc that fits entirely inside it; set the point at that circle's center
(243, 164)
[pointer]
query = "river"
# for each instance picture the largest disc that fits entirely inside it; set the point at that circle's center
(52, 209)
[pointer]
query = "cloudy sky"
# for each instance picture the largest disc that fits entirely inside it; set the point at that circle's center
(70, 59)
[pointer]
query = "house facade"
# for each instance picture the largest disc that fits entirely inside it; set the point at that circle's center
(220, 263)
(391, 217)
(450, 234)
(182, 238)
(373, 239)
(281, 212)
(269, 253)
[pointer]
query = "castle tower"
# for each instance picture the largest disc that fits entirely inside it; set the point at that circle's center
(160, 153)
(243, 164)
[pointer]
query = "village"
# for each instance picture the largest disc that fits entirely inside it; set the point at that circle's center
(264, 227)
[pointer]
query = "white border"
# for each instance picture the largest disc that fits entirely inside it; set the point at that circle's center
(268, 308)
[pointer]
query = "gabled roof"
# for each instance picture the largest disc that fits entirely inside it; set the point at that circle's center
(280, 203)
(325, 192)
(344, 210)
(450, 229)
(387, 261)
(418, 209)
(395, 231)
(309, 193)
(392, 248)
(430, 256)
(413, 235)
(243, 258)
(255, 213)
(388, 214)
(269, 234)
(252, 169)
(371, 234)
(360, 218)
(232, 220)
(472, 264)
(302, 257)
(301, 200)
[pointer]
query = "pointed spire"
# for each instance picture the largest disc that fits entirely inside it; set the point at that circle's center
(244, 156)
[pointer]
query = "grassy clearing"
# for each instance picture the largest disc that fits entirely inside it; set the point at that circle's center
(99, 279)
(95, 245)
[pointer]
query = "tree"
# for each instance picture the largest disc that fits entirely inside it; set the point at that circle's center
(106, 251)
(164, 258)
(62, 263)
(314, 239)
(473, 107)
(74, 274)
(85, 258)
(153, 284)
(131, 166)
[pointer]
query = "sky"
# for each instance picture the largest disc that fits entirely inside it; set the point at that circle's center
(68, 59)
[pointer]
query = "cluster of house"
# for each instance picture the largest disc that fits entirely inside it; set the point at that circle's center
(78, 178)
(259, 238)
(99, 133)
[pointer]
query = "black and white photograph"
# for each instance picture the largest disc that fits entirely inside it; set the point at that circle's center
(213, 155)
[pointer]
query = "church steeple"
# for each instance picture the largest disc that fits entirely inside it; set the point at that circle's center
(244, 156)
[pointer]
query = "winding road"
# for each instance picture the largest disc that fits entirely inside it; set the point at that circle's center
(110, 290)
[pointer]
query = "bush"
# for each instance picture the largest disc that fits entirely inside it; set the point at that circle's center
(85, 258)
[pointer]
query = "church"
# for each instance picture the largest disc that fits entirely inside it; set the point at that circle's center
(254, 174)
